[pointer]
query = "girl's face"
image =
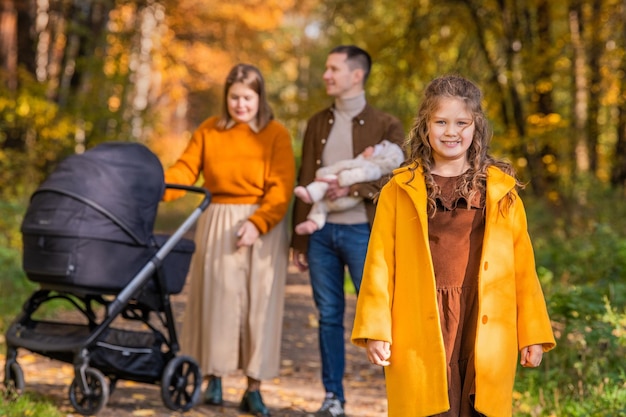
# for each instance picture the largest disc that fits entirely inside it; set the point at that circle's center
(451, 131)
(243, 103)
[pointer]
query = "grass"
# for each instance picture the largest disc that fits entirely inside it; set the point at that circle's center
(28, 405)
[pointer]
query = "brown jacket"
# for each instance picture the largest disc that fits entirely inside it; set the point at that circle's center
(368, 128)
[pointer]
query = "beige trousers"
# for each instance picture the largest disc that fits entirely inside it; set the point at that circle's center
(233, 318)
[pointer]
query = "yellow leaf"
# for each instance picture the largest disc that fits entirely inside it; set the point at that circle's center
(28, 358)
(143, 413)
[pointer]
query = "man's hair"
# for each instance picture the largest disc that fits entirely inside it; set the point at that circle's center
(356, 57)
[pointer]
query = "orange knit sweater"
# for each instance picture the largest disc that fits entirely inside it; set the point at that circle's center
(240, 166)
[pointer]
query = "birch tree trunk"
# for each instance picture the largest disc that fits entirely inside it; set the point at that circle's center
(581, 151)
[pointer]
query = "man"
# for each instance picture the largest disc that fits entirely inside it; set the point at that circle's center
(339, 132)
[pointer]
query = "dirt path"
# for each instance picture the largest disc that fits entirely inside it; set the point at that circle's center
(295, 392)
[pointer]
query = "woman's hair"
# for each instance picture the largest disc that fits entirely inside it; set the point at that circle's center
(251, 77)
(473, 183)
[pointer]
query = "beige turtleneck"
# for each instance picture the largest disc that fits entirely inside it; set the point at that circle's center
(339, 147)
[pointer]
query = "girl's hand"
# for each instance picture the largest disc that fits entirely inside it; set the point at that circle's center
(531, 356)
(247, 234)
(378, 352)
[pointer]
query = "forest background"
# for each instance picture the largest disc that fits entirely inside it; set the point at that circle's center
(75, 73)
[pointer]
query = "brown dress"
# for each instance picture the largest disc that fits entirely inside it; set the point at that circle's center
(456, 236)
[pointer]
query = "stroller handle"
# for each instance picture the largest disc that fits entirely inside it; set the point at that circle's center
(116, 306)
(197, 190)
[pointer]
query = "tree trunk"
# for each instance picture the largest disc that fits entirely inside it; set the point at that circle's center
(595, 79)
(581, 154)
(8, 42)
(618, 170)
(26, 41)
(544, 102)
(529, 147)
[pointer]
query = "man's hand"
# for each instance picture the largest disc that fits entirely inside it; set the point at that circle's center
(335, 191)
(300, 260)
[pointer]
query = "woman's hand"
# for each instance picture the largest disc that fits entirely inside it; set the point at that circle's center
(247, 234)
(531, 356)
(378, 352)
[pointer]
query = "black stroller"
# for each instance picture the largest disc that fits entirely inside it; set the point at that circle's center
(88, 240)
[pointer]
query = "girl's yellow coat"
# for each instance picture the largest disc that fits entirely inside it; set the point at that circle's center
(397, 301)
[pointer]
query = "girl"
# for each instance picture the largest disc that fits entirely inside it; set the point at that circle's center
(449, 292)
(233, 319)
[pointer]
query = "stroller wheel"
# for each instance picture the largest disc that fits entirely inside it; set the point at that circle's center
(180, 383)
(14, 379)
(95, 395)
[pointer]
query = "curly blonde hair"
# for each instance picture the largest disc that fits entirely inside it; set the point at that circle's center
(474, 180)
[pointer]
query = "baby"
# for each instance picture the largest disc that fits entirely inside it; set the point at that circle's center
(370, 165)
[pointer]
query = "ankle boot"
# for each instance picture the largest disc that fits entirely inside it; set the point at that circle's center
(253, 403)
(213, 393)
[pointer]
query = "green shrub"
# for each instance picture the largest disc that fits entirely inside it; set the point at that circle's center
(581, 261)
(14, 287)
(11, 214)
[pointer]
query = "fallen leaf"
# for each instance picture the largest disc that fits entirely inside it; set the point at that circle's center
(143, 413)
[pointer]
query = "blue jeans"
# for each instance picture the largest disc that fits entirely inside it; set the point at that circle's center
(331, 249)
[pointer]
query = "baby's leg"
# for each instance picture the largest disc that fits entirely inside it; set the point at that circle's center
(315, 220)
(307, 227)
(303, 194)
(314, 192)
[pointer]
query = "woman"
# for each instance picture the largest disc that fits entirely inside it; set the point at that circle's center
(233, 318)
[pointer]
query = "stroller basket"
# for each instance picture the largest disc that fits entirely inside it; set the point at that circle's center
(127, 354)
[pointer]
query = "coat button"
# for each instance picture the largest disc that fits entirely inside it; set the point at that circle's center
(323, 141)
(361, 122)
(331, 121)
(485, 319)
(318, 162)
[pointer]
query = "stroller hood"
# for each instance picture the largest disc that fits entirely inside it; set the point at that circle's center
(121, 182)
